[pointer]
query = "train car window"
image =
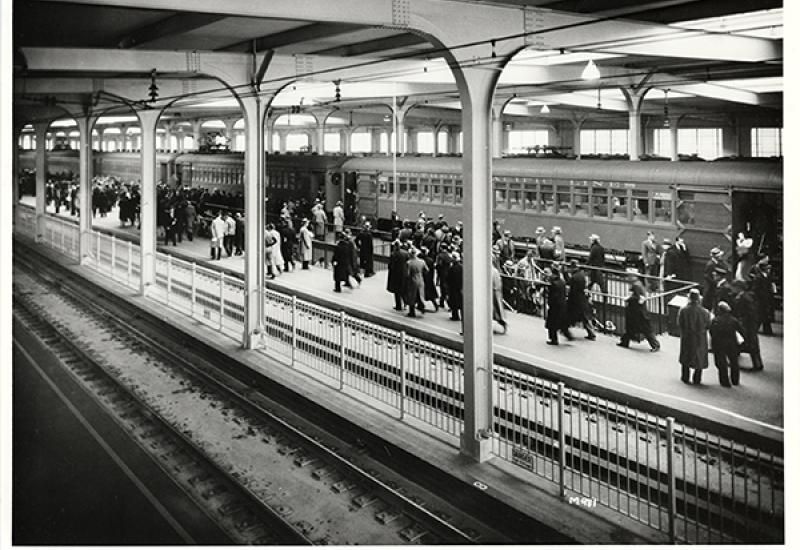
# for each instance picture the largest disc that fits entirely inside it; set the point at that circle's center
(563, 205)
(641, 205)
(619, 204)
(581, 199)
(546, 202)
(402, 184)
(662, 207)
(447, 191)
(531, 200)
(436, 190)
(500, 194)
(413, 189)
(708, 210)
(515, 196)
(459, 193)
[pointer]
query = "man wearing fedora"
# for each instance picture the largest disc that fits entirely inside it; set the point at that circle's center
(715, 269)
(596, 261)
(693, 322)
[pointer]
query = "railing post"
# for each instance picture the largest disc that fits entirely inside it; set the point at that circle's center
(130, 261)
(194, 290)
(341, 349)
(671, 476)
(562, 452)
(113, 257)
(402, 374)
(221, 299)
(169, 277)
(294, 327)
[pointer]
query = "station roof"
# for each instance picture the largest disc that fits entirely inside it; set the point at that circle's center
(705, 59)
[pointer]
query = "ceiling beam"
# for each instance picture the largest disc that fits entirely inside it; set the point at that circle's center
(314, 31)
(169, 26)
(373, 46)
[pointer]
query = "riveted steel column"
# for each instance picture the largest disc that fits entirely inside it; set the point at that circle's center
(147, 216)
(41, 177)
(254, 108)
(85, 125)
(477, 88)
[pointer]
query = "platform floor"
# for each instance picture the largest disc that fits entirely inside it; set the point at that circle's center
(756, 404)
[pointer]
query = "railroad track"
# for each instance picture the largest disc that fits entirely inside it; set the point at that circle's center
(619, 450)
(276, 480)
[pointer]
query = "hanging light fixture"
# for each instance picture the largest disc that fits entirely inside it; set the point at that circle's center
(545, 110)
(590, 72)
(666, 109)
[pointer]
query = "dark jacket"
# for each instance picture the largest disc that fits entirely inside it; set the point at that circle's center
(430, 287)
(693, 321)
(395, 281)
(556, 305)
(723, 333)
(342, 260)
(365, 253)
(455, 285)
(597, 255)
(637, 319)
(578, 307)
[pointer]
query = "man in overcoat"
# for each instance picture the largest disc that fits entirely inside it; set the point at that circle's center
(579, 310)
(395, 282)
(637, 320)
(455, 286)
(364, 242)
(556, 309)
(306, 240)
(415, 269)
(746, 310)
(342, 262)
(693, 322)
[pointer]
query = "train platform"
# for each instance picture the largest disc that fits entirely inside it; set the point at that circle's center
(756, 405)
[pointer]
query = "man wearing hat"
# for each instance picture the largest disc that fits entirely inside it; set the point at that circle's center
(455, 286)
(713, 271)
(320, 220)
(597, 260)
(746, 310)
(725, 344)
(306, 239)
(693, 322)
(637, 320)
(365, 252)
(557, 320)
(506, 246)
(764, 290)
(651, 258)
(539, 235)
(579, 310)
(745, 263)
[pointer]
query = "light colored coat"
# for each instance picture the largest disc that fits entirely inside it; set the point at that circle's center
(306, 238)
(218, 229)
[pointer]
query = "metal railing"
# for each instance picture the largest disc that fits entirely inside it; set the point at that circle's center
(691, 484)
(62, 235)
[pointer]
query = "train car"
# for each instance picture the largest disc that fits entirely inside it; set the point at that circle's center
(706, 203)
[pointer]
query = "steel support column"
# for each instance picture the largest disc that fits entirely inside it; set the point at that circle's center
(41, 177)
(85, 125)
(254, 109)
(15, 175)
(477, 88)
(673, 137)
(147, 216)
(634, 97)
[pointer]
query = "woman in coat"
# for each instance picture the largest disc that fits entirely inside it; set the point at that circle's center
(306, 240)
(415, 282)
(637, 320)
(693, 321)
(498, 313)
(455, 286)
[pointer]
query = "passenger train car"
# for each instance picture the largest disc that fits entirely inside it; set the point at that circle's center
(707, 203)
